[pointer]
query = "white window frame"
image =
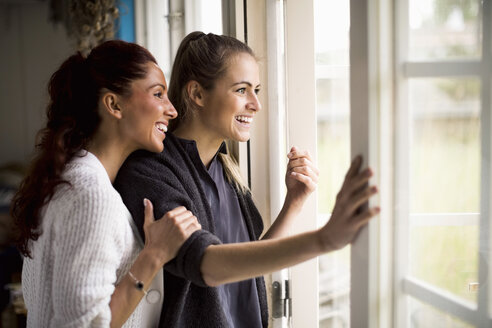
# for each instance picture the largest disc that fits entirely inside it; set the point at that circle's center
(152, 30)
(373, 302)
(366, 112)
(404, 285)
(366, 109)
(301, 131)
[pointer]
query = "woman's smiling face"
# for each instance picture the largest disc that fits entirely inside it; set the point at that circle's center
(230, 106)
(147, 111)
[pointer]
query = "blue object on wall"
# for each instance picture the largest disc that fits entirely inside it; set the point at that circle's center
(126, 21)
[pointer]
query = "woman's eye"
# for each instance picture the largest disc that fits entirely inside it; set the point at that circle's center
(257, 91)
(242, 90)
(158, 95)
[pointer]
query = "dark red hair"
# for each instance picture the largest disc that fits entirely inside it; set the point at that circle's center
(72, 120)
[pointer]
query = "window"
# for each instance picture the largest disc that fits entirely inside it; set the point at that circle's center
(161, 25)
(443, 98)
(419, 110)
(332, 24)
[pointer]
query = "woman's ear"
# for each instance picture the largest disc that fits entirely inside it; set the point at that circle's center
(110, 104)
(196, 93)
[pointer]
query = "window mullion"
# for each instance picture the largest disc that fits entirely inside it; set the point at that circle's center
(402, 160)
(364, 80)
(435, 69)
(484, 305)
(300, 94)
(440, 299)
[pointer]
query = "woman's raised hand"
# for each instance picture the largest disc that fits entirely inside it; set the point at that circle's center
(301, 177)
(350, 212)
(167, 235)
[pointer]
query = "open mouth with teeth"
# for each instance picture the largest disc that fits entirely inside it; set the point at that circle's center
(244, 119)
(161, 127)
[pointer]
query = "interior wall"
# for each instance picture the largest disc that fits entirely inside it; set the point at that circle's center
(32, 49)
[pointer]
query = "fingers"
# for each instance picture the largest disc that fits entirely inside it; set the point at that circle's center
(296, 153)
(358, 181)
(298, 157)
(181, 216)
(184, 220)
(354, 167)
(361, 197)
(355, 180)
(300, 162)
(364, 217)
(175, 212)
(305, 171)
(190, 225)
(305, 179)
(148, 212)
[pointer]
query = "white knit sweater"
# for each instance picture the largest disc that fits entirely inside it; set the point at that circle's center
(86, 246)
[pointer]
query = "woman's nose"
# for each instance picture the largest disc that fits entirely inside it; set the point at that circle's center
(171, 111)
(254, 103)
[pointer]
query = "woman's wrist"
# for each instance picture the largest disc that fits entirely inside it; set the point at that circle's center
(325, 241)
(155, 258)
(293, 204)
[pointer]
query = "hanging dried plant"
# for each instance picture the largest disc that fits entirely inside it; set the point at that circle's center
(91, 22)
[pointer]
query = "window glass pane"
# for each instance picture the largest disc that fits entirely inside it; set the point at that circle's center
(444, 29)
(445, 183)
(446, 256)
(203, 15)
(332, 22)
(422, 315)
(210, 16)
(445, 170)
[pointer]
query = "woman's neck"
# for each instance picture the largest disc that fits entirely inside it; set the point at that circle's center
(207, 142)
(110, 152)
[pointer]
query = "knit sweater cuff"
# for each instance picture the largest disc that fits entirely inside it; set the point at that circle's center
(189, 258)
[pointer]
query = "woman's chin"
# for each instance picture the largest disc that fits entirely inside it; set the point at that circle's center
(156, 148)
(241, 138)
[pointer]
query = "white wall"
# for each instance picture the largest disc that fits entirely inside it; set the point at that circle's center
(32, 48)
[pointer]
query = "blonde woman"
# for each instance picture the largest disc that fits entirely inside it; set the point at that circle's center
(216, 280)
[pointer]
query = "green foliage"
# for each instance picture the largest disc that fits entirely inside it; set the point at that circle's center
(333, 162)
(445, 167)
(444, 8)
(458, 90)
(446, 256)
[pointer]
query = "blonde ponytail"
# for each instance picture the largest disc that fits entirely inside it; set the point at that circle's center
(233, 175)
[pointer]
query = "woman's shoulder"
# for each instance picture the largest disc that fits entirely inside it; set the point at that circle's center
(86, 175)
(88, 201)
(87, 182)
(163, 164)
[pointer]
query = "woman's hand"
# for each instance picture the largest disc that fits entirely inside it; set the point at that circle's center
(350, 212)
(301, 177)
(165, 236)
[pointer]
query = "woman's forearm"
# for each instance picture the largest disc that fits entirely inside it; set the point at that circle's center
(234, 262)
(283, 222)
(126, 296)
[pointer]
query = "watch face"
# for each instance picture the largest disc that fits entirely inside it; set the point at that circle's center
(153, 296)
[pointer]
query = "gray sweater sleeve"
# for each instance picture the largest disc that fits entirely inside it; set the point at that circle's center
(147, 175)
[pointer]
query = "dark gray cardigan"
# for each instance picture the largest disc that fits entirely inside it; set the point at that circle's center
(169, 179)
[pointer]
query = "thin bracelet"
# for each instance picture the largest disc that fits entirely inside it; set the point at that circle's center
(152, 295)
(138, 283)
